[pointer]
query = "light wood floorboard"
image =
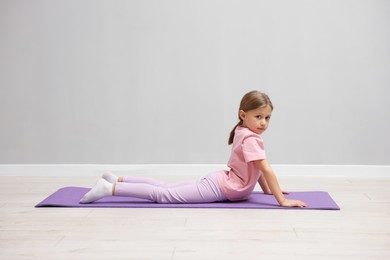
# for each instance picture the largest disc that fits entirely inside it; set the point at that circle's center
(360, 230)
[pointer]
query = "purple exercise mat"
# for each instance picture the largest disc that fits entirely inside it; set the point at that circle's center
(70, 197)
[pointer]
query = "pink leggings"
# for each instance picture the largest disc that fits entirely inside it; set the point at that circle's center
(205, 190)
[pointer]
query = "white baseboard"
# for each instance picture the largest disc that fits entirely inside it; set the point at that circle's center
(351, 171)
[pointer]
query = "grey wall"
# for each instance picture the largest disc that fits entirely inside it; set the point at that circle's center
(160, 81)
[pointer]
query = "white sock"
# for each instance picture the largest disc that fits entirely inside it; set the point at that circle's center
(110, 177)
(102, 189)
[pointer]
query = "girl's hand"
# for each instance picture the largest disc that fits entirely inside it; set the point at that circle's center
(293, 203)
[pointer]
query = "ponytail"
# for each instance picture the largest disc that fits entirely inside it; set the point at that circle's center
(231, 137)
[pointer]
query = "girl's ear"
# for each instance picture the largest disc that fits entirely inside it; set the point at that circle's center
(242, 114)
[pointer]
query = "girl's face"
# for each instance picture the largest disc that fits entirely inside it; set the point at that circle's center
(256, 120)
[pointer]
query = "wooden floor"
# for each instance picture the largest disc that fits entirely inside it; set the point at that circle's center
(360, 230)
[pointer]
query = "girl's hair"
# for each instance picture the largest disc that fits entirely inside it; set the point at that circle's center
(251, 100)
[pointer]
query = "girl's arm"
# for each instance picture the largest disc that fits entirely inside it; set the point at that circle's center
(264, 186)
(274, 187)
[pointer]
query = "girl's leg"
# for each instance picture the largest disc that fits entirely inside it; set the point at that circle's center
(203, 191)
(110, 177)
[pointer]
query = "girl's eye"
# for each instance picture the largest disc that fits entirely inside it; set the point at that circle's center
(259, 117)
(268, 118)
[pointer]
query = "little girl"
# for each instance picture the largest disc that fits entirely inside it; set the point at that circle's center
(248, 165)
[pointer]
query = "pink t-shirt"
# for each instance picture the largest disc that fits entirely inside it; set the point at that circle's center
(240, 181)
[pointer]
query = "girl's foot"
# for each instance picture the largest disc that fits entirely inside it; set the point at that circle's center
(110, 177)
(102, 189)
